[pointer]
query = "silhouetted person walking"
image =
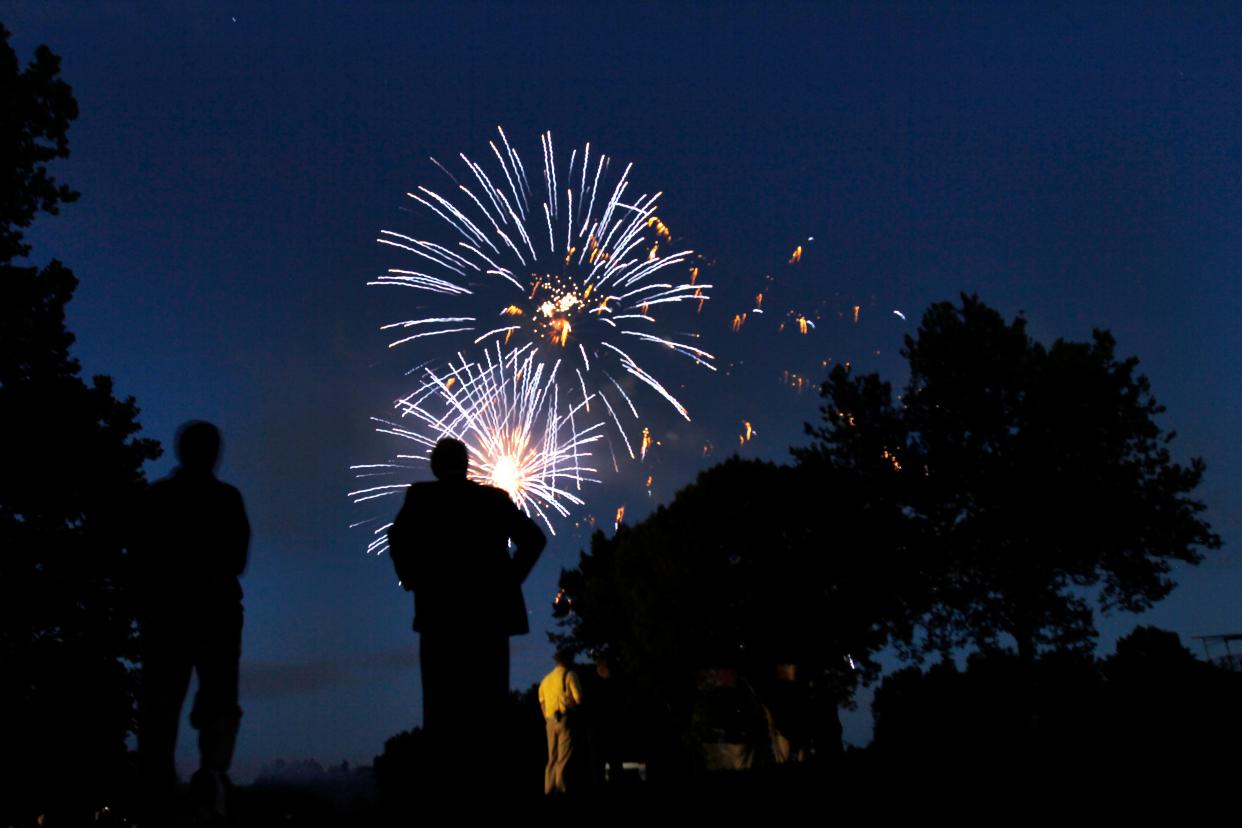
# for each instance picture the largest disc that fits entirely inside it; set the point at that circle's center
(449, 544)
(194, 537)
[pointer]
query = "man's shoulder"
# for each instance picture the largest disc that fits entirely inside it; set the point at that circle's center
(221, 490)
(424, 486)
(492, 496)
(494, 492)
(159, 486)
(457, 495)
(177, 480)
(227, 487)
(424, 491)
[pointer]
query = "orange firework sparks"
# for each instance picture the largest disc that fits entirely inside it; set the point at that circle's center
(759, 301)
(646, 443)
(558, 331)
(694, 275)
(796, 381)
(707, 448)
(620, 517)
(889, 456)
(660, 227)
(857, 311)
(512, 310)
(739, 319)
(797, 255)
(802, 324)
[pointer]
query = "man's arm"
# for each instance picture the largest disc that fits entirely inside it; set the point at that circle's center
(529, 540)
(241, 535)
(402, 540)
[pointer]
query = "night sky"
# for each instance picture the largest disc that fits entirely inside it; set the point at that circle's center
(1079, 163)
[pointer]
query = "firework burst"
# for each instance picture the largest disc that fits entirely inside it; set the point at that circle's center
(568, 270)
(507, 408)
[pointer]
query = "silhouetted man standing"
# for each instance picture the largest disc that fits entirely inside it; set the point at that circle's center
(193, 540)
(560, 695)
(449, 544)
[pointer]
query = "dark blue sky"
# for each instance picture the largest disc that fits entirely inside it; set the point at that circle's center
(1077, 162)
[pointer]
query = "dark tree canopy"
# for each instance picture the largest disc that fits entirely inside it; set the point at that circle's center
(1032, 477)
(1066, 713)
(71, 467)
(747, 567)
(36, 106)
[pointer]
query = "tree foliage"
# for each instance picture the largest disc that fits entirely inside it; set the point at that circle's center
(1132, 711)
(71, 466)
(747, 567)
(1030, 477)
(36, 106)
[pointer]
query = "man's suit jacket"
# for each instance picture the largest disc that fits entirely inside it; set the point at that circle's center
(449, 544)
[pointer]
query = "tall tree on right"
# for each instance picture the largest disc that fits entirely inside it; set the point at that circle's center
(1036, 479)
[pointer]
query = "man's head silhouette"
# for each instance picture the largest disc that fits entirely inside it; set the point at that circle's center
(198, 446)
(449, 460)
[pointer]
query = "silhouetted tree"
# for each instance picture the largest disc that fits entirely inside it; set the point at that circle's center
(70, 468)
(998, 710)
(748, 567)
(1151, 709)
(1163, 701)
(1028, 474)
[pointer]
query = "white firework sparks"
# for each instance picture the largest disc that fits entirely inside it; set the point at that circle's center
(572, 273)
(507, 409)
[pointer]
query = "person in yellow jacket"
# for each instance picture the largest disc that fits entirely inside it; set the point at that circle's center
(560, 693)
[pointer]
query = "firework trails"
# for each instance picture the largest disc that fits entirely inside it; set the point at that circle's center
(508, 410)
(559, 287)
(571, 266)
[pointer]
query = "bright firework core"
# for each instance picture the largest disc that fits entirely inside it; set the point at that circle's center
(507, 474)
